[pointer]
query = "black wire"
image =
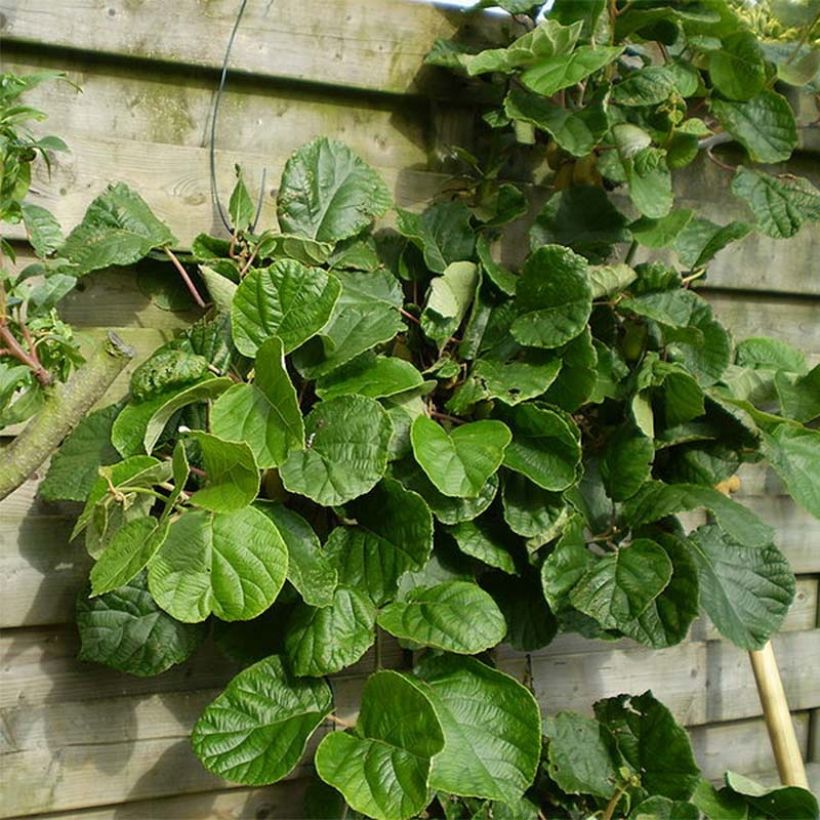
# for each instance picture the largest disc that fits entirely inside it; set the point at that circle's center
(217, 99)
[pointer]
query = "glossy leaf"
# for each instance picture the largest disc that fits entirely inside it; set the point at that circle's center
(443, 233)
(232, 475)
(370, 375)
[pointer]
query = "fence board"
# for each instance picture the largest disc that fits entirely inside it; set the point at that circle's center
(363, 44)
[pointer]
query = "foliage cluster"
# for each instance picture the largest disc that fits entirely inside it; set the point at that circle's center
(394, 433)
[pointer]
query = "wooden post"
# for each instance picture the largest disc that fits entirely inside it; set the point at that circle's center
(779, 723)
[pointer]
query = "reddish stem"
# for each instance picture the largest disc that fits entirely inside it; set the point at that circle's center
(30, 360)
(408, 315)
(446, 417)
(185, 278)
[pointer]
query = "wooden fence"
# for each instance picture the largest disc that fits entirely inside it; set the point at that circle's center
(86, 742)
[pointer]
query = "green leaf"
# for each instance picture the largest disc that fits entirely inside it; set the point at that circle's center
(666, 621)
(627, 462)
(723, 804)
(393, 535)
(256, 731)
(383, 769)
(660, 233)
(460, 462)
(738, 70)
(370, 375)
(794, 454)
(73, 468)
(232, 474)
(232, 565)
(545, 446)
(650, 181)
(127, 631)
(578, 375)
(618, 587)
(240, 206)
(552, 74)
(367, 314)
(221, 289)
(708, 357)
(167, 369)
(328, 193)
(567, 128)
(118, 229)
(651, 743)
(448, 301)
(129, 552)
(492, 729)
(554, 308)
(532, 512)
(487, 540)
(287, 300)
(456, 616)
(785, 803)
(746, 591)
(608, 280)
(780, 205)
(447, 509)
(656, 500)
(531, 624)
(764, 125)
(799, 396)
(578, 756)
(699, 242)
(42, 228)
(443, 233)
(265, 415)
(310, 569)
(646, 86)
(321, 641)
(346, 451)
(584, 219)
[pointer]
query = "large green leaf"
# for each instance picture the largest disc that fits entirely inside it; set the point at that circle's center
(346, 451)
(265, 415)
(650, 181)
(73, 468)
(393, 534)
(448, 301)
(488, 540)
(447, 509)
(492, 729)
(166, 369)
(737, 69)
(287, 300)
(129, 552)
(256, 731)
(232, 565)
(554, 73)
(746, 591)
(578, 755)
(657, 500)
(554, 298)
(310, 570)
(763, 125)
(701, 240)
(367, 314)
(566, 565)
(456, 616)
(329, 193)
(780, 205)
(545, 446)
(321, 641)
(370, 375)
(650, 85)
(566, 127)
(383, 769)
(443, 233)
(785, 803)
(44, 232)
(627, 462)
(651, 744)
(794, 453)
(618, 587)
(232, 474)
(532, 512)
(118, 229)
(127, 631)
(799, 396)
(460, 462)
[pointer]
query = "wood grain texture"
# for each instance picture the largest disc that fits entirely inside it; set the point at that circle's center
(363, 44)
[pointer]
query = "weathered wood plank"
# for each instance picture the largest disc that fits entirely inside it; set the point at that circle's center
(732, 693)
(175, 181)
(363, 44)
(741, 746)
(143, 103)
(814, 736)
(282, 801)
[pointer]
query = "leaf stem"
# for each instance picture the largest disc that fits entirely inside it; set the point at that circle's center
(609, 811)
(630, 254)
(409, 316)
(185, 278)
(345, 724)
(30, 360)
(445, 417)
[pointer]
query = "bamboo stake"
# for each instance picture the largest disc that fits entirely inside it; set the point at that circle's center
(779, 723)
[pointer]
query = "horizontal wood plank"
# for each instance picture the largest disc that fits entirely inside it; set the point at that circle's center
(362, 44)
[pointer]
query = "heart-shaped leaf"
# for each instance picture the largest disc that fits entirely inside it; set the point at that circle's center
(460, 462)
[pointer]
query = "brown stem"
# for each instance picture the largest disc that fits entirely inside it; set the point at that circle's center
(408, 315)
(185, 278)
(339, 722)
(609, 811)
(445, 417)
(64, 407)
(720, 163)
(30, 360)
